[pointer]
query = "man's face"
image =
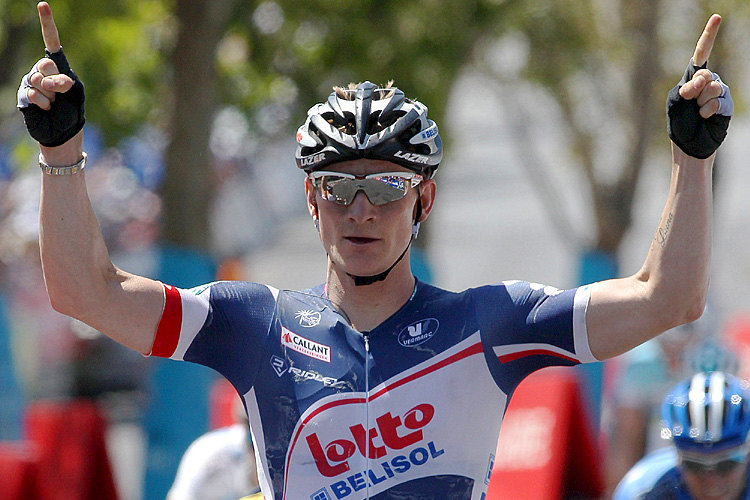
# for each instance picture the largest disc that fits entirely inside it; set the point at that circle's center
(363, 238)
(716, 485)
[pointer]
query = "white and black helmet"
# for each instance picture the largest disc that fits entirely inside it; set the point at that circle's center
(369, 122)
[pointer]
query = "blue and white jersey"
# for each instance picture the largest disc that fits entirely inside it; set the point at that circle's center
(410, 409)
(657, 477)
(655, 472)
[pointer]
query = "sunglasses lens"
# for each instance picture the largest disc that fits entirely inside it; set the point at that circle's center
(385, 189)
(723, 467)
(339, 190)
(379, 190)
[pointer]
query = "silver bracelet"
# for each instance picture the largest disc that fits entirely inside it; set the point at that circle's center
(49, 170)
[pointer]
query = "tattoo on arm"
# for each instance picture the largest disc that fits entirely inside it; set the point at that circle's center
(662, 232)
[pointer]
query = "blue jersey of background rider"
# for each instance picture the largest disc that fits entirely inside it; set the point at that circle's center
(707, 416)
(444, 361)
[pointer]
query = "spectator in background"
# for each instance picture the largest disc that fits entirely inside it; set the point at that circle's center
(219, 465)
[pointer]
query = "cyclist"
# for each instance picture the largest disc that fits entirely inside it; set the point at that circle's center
(650, 371)
(356, 388)
(707, 417)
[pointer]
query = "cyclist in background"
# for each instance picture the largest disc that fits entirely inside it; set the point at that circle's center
(707, 417)
(648, 373)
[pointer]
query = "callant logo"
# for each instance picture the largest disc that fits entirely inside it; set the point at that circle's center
(390, 433)
(305, 346)
(418, 333)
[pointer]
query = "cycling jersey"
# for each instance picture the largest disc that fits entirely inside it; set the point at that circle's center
(410, 409)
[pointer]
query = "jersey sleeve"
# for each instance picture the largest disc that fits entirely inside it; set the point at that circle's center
(221, 325)
(528, 326)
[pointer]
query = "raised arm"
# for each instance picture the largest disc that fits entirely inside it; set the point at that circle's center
(670, 289)
(81, 280)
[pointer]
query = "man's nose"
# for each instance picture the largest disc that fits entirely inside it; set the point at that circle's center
(361, 208)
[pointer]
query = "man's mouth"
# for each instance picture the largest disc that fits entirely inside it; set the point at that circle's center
(359, 240)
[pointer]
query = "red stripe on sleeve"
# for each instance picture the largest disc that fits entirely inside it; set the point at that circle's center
(168, 332)
(534, 352)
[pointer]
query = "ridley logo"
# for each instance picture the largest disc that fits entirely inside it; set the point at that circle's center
(279, 365)
(305, 346)
(333, 459)
(418, 333)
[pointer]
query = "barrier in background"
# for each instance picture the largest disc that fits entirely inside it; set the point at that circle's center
(64, 456)
(19, 467)
(73, 462)
(547, 448)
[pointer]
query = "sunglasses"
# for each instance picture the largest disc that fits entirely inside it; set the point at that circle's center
(379, 188)
(722, 466)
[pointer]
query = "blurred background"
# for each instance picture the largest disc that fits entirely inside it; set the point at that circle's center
(556, 169)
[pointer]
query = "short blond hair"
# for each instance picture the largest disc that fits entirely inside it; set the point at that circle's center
(348, 95)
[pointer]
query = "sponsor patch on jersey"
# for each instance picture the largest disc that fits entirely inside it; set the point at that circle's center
(321, 494)
(308, 318)
(279, 365)
(418, 332)
(305, 346)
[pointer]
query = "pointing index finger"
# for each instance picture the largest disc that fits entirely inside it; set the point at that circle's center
(49, 29)
(706, 41)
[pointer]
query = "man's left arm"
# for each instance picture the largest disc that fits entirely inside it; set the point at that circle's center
(671, 287)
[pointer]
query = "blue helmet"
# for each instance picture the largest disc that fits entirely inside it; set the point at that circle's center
(707, 413)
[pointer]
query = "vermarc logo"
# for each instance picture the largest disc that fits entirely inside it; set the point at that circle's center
(418, 332)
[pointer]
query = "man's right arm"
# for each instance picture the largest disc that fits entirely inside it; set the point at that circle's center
(81, 280)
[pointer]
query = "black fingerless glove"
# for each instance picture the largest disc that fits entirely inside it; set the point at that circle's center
(697, 136)
(65, 118)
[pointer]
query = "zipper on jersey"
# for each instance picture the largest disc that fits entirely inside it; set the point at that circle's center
(366, 337)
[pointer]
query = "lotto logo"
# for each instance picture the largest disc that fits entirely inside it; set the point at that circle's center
(333, 458)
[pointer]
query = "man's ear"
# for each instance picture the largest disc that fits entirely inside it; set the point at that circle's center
(427, 192)
(312, 205)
